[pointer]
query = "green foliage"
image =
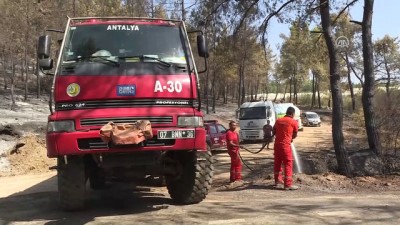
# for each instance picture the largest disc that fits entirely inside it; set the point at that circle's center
(387, 58)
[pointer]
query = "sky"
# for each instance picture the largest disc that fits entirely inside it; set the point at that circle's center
(386, 20)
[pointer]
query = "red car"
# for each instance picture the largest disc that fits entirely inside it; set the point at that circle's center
(215, 135)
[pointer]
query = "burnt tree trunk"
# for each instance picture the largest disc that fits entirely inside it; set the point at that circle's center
(295, 90)
(38, 80)
(329, 100)
(12, 78)
(276, 90)
(369, 79)
(266, 89)
(318, 91)
(337, 111)
(295, 85)
(251, 87)
(353, 99)
(388, 73)
(284, 93)
(5, 71)
(206, 92)
(241, 96)
(233, 92)
(388, 79)
(313, 87)
(225, 94)
(290, 89)
(240, 85)
(257, 86)
(213, 92)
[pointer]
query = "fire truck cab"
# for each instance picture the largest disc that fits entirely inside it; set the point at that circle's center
(124, 70)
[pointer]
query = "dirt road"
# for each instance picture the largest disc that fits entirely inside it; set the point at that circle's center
(32, 199)
(253, 205)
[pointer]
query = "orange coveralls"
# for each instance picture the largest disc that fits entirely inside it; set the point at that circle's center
(284, 129)
(233, 151)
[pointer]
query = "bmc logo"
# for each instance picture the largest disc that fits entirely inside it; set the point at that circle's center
(126, 90)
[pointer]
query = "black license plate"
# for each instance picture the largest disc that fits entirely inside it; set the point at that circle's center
(175, 134)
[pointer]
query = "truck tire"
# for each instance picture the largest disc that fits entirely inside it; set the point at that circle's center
(194, 180)
(71, 183)
(97, 179)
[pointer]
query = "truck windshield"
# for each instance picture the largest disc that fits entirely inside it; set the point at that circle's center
(129, 49)
(253, 113)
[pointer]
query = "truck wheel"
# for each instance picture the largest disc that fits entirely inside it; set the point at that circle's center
(97, 179)
(194, 179)
(71, 183)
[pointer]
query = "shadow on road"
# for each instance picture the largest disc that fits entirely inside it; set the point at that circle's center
(43, 205)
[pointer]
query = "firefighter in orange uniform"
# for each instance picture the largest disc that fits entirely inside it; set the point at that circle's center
(285, 130)
(232, 139)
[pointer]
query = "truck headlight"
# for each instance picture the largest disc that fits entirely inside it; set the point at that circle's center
(61, 126)
(190, 121)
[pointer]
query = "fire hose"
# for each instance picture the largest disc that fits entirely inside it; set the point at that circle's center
(248, 167)
(241, 158)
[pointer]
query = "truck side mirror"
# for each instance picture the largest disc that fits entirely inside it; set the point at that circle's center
(269, 113)
(43, 52)
(201, 46)
(44, 44)
(46, 64)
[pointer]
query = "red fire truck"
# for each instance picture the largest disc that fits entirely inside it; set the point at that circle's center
(124, 70)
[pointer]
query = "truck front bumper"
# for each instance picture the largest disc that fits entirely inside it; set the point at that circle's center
(89, 142)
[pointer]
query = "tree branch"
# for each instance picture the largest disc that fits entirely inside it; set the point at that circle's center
(356, 22)
(304, 17)
(216, 8)
(245, 16)
(386, 78)
(355, 73)
(342, 11)
(266, 21)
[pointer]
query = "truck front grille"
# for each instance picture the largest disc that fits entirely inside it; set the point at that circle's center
(97, 143)
(104, 121)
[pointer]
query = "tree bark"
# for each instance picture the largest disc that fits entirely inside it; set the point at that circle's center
(242, 96)
(337, 111)
(224, 93)
(256, 87)
(284, 93)
(213, 92)
(353, 99)
(319, 92)
(295, 85)
(313, 90)
(240, 86)
(26, 51)
(206, 92)
(251, 92)
(26, 79)
(38, 80)
(369, 79)
(13, 104)
(388, 73)
(5, 71)
(388, 79)
(290, 88)
(276, 90)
